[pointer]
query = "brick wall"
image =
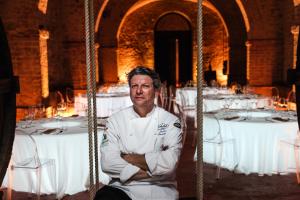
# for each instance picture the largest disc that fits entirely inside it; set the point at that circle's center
(270, 22)
(266, 62)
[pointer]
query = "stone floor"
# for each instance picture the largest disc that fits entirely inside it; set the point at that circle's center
(231, 186)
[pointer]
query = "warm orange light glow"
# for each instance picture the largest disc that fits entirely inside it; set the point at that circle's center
(42, 6)
(97, 62)
(44, 36)
(296, 2)
(125, 67)
(295, 32)
(244, 13)
(248, 46)
(66, 113)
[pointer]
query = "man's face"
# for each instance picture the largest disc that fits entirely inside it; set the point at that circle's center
(142, 91)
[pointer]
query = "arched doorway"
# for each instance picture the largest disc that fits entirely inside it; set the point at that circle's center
(173, 49)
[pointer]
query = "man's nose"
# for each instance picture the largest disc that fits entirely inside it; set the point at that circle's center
(139, 90)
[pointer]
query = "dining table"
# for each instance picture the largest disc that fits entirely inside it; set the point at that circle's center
(65, 140)
(257, 136)
(190, 93)
(106, 103)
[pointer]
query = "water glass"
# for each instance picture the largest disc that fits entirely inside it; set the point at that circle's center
(61, 109)
(29, 116)
(275, 101)
(227, 103)
(282, 103)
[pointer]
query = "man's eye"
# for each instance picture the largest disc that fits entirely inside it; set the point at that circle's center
(134, 86)
(145, 86)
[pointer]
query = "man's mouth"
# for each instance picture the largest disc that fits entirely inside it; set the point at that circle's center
(139, 97)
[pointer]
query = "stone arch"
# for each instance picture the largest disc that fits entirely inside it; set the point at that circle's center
(111, 20)
(233, 17)
(173, 48)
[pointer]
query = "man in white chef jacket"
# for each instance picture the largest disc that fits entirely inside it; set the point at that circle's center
(141, 147)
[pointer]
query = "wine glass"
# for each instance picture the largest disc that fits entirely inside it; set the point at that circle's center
(29, 116)
(227, 103)
(282, 103)
(275, 99)
(61, 109)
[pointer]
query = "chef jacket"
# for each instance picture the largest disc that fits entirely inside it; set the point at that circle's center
(158, 136)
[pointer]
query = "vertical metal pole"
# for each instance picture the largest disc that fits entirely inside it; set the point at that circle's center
(199, 105)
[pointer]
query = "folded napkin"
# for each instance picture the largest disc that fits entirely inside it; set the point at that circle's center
(51, 131)
(211, 112)
(231, 118)
(281, 119)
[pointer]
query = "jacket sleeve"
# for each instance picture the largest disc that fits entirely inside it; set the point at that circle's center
(164, 161)
(111, 160)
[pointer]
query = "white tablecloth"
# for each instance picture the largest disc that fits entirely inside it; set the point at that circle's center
(257, 140)
(107, 103)
(69, 149)
(191, 93)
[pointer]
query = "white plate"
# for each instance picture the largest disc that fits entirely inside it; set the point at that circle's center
(57, 124)
(255, 114)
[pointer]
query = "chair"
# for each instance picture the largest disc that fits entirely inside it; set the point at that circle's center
(59, 97)
(186, 107)
(163, 96)
(212, 135)
(295, 143)
(26, 163)
(69, 97)
(171, 97)
(291, 100)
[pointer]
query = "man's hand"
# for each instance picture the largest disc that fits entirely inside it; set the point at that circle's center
(141, 174)
(137, 160)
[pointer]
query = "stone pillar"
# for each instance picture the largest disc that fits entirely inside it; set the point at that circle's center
(295, 32)
(248, 46)
(44, 36)
(97, 45)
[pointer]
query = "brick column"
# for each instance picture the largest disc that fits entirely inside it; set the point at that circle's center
(295, 32)
(44, 36)
(97, 45)
(248, 46)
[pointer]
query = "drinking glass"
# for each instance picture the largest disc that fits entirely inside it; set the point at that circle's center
(282, 103)
(227, 103)
(275, 101)
(29, 116)
(61, 109)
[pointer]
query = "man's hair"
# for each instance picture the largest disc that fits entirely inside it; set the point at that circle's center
(141, 70)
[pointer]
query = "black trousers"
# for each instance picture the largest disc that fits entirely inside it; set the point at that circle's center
(111, 193)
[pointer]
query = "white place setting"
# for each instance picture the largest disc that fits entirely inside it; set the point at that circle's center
(65, 140)
(235, 101)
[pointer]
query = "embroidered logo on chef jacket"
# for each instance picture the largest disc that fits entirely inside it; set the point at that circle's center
(104, 140)
(177, 124)
(162, 129)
